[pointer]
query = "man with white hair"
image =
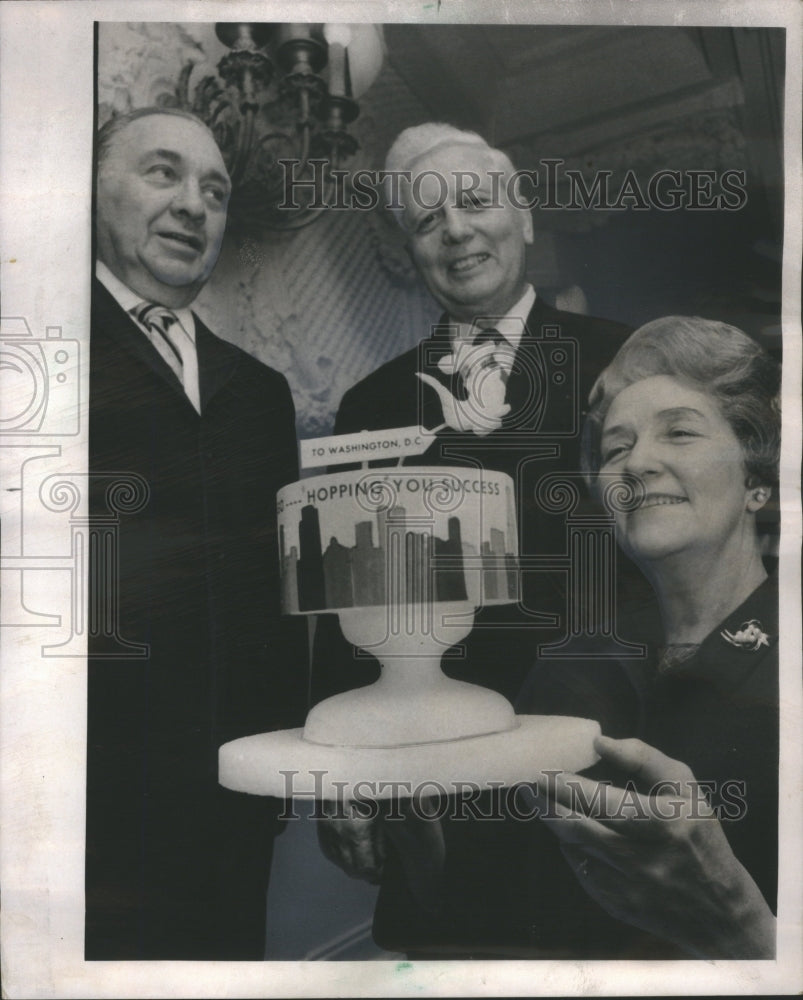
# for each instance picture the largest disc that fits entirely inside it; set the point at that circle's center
(467, 234)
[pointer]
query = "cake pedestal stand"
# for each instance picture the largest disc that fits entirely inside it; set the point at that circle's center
(413, 731)
(286, 765)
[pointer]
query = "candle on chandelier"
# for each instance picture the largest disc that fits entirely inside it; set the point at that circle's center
(338, 37)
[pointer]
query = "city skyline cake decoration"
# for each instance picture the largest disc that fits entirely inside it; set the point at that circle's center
(405, 556)
(336, 555)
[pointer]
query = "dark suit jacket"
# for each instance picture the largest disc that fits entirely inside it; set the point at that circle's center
(718, 713)
(177, 867)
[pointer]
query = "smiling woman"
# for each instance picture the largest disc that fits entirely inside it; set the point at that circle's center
(696, 503)
(689, 408)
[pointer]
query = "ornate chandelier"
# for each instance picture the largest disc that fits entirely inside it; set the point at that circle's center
(284, 135)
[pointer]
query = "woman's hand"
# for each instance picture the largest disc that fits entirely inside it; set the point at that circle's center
(653, 854)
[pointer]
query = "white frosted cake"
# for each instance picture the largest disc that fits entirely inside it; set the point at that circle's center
(404, 556)
(407, 535)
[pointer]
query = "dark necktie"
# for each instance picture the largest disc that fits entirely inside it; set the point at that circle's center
(488, 336)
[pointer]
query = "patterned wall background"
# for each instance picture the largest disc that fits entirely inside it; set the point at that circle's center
(325, 304)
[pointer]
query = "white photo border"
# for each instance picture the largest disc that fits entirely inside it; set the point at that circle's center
(46, 140)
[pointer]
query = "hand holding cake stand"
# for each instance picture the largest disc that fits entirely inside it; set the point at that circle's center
(405, 556)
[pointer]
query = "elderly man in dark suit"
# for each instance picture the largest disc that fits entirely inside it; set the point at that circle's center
(177, 867)
(467, 232)
(470, 253)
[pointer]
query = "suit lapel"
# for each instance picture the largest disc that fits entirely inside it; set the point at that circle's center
(436, 346)
(429, 412)
(526, 388)
(217, 361)
(727, 654)
(112, 319)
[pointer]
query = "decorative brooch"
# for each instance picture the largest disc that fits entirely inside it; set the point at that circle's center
(750, 636)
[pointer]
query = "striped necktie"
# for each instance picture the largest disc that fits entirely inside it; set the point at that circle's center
(174, 345)
(488, 336)
(503, 359)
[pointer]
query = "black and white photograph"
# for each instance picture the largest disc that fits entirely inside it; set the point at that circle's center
(400, 441)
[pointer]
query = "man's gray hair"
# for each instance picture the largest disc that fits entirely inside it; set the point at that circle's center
(119, 123)
(420, 140)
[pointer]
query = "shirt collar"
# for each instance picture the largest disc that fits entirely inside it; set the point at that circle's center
(510, 326)
(128, 299)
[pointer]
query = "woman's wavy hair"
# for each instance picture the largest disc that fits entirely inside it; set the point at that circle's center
(714, 358)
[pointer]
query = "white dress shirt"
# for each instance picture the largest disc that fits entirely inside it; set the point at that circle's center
(510, 327)
(128, 300)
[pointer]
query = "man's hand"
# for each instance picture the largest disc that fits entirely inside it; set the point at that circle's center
(654, 855)
(358, 847)
(354, 844)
